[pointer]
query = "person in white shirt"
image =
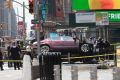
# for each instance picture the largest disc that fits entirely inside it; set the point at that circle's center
(29, 50)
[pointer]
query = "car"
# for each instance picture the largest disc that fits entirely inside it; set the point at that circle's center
(66, 45)
(57, 43)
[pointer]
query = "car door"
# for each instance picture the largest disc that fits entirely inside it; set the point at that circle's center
(69, 43)
(56, 43)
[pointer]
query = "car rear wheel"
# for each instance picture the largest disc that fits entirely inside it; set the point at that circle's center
(44, 48)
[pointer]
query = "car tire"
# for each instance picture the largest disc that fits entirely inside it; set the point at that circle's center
(45, 48)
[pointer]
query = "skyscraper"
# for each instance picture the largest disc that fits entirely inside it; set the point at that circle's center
(4, 24)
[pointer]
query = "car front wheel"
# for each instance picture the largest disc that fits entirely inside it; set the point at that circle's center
(44, 48)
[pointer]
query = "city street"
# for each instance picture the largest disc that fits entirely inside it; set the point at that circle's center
(84, 33)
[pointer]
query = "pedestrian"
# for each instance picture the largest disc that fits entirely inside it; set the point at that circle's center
(74, 37)
(1, 62)
(15, 55)
(9, 55)
(29, 50)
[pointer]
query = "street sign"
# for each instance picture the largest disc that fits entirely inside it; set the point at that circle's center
(35, 21)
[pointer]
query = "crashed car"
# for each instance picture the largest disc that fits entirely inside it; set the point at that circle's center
(58, 43)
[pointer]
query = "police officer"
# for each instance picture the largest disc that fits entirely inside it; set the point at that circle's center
(106, 46)
(1, 63)
(15, 54)
(9, 56)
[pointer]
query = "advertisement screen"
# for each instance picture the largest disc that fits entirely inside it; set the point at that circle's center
(95, 4)
(113, 16)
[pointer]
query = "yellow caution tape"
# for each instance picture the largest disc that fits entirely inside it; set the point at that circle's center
(115, 44)
(10, 60)
(87, 56)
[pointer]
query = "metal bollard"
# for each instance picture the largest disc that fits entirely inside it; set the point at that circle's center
(69, 57)
(74, 71)
(93, 73)
(57, 72)
(27, 73)
(116, 73)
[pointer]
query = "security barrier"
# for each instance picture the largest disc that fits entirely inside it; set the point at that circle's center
(11, 60)
(27, 72)
(67, 58)
(89, 72)
(46, 65)
(89, 56)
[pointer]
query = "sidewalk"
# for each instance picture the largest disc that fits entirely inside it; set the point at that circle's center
(84, 74)
(10, 73)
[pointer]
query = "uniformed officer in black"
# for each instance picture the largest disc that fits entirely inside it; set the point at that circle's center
(1, 57)
(15, 54)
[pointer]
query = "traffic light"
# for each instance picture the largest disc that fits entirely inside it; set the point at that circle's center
(31, 6)
(8, 4)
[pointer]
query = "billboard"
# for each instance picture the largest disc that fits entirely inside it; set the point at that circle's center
(114, 16)
(102, 18)
(59, 8)
(83, 17)
(21, 29)
(95, 4)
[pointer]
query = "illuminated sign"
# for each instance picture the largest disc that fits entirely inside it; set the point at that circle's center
(114, 16)
(95, 4)
(83, 17)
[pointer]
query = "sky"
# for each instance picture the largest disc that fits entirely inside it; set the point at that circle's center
(19, 10)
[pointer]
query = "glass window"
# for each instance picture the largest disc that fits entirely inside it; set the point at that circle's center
(67, 38)
(55, 38)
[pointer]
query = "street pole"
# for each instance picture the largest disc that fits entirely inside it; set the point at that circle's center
(36, 2)
(9, 22)
(38, 40)
(107, 34)
(104, 36)
(24, 14)
(24, 21)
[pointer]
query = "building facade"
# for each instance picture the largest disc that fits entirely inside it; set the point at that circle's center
(5, 28)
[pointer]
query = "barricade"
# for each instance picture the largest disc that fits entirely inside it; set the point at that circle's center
(57, 72)
(46, 65)
(74, 72)
(84, 57)
(27, 73)
(35, 69)
(94, 73)
(116, 73)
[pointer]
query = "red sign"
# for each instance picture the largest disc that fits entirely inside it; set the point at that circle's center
(21, 29)
(59, 9)
(30, 1)
(36, 26)
(20, 25)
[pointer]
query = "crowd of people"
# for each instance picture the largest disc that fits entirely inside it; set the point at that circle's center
(14, 55)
